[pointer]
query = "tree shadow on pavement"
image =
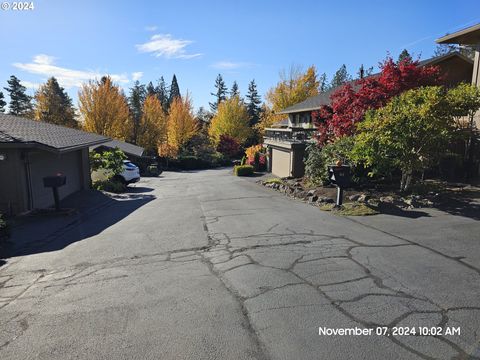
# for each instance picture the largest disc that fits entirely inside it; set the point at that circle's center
(46, 234)
(391, 209)
(466, 204)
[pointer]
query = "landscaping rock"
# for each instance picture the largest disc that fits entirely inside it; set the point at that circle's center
(324, 200)
(387, 199)
(312, 198)
(363, 198)
(354, 197)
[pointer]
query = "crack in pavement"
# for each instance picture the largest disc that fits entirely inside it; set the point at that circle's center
(338, 304)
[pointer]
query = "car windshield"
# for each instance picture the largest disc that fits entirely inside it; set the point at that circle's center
(129, 164)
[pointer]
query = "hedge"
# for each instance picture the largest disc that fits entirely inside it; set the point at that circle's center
(243, 170)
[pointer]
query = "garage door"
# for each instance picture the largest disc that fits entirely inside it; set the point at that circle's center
(281, 163)
(42, 164)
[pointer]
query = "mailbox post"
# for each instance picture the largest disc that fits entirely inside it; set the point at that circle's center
(55, 182)
(339, 175)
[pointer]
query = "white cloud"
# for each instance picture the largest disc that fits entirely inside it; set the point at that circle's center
(151, 28)
(30, 85)
(164, 45)
(137, 75)
(44, 65)
(229, 65)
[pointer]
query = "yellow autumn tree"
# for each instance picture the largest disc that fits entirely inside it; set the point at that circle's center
(232, 119)
(152, 129)
(104, 109)
(181, 126)
(295, 86)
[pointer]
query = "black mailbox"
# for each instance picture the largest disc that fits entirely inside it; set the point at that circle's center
(54, 181)
(339, 175)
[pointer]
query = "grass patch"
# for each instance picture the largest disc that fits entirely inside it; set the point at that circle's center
(273, 181)
(350, 209)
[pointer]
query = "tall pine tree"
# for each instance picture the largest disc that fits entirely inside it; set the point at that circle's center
(20, 102)
(341, 77)
(220, 93)
(234, 91)
(322, 79)
(162, 94)
(135, 103)
(2, 102)
(174, 91)
(150, 89)
(53, 105)
(253, 103)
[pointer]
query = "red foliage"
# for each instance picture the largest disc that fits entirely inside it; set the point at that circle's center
(228, 146)
(350, 102)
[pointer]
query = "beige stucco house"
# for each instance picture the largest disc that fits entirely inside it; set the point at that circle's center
(286, 141)
(31, 150)
(469, 36)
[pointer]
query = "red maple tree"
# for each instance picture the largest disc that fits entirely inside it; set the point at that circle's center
(350, 102)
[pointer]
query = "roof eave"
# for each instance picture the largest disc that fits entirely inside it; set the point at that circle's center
(456, 36)
(36, 145)
(299, 110)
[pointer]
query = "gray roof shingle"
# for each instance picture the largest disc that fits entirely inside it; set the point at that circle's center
(18, 130)
(127, 148)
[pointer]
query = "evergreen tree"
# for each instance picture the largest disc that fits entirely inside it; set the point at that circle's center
(136, 99)
(20, 103)
(323, 83)
(174, 91)
(150, 89)
(253, 103)
(363, 73)
(162, 93)
(53, 105)
(404, 55)
(220, 94)
(235, 91)
(2, 103)
(203, 117)
(341, 77)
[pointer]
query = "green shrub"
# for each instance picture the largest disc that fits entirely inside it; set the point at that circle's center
(318, 159)
(191, 162)
(219, 159)
(243, 170)
(111, 161)
(244, 160)
(153, 170)
(112, 185)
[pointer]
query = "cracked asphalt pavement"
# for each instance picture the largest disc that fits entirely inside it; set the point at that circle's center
(205, 265)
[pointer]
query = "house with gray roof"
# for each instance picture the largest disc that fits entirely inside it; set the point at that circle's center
(286, 141)
(132, 151)
(31, 150)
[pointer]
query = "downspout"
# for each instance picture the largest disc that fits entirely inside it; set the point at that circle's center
(26, 161)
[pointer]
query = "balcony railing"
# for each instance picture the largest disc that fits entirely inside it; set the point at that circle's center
(289, 135)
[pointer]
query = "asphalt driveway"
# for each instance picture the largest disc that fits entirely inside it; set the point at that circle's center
(204, 265)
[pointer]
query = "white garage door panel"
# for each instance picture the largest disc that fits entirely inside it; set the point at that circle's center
(280, 163)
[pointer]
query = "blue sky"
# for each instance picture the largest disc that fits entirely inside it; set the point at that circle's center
(196, 40)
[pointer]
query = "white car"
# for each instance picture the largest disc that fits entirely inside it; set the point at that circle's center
(130, 173)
